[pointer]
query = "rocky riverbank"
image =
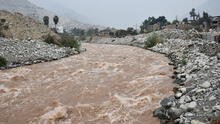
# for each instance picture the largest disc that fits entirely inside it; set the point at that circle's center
(18, 53)
(197, 72)
(197, 68)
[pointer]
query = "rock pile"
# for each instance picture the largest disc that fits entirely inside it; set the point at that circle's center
(19, 53)
(197, 97)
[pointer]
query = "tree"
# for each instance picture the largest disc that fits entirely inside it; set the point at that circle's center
(198, 16)
(206, 18)
(131, 31)
(152, 20)
(193, 13)
(46, 20)
(162, 21)
(175, 22)
(185, 20)
(55, 20)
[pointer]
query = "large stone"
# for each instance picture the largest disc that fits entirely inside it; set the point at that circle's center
(217, 107)
(218, 56)
(178, 95)
(191, 106)
(161, 113)
(205, 84)
(167, 102)
(196, 122)
(175, 113)
(185, 99)
(183, 90)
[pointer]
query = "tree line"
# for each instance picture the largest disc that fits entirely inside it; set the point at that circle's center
(197, 20)
(161, 21)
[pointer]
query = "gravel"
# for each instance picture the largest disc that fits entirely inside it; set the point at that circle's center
(19, 53)
(197, 69)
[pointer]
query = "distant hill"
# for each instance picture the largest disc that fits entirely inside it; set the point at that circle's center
(29, 9)
(211, 6)
(60, 10)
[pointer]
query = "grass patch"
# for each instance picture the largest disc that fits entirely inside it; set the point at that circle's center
(49, 39)
(152, 41)
(52, 40)
(3, 61)
(65, 41)
(183, 61)
(68, 41)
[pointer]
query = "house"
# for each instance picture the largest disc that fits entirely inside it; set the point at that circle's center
(107, 32)
(171, 26)
(104, 33)
(60, 29)
(178, 26)
(151, 28)
(216, 23)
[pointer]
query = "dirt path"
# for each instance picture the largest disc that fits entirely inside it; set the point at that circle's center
(106, 85)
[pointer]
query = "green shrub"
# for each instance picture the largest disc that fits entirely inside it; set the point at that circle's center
(152, 41)
(52, 40)
(65, 41)
(68, 41)
(49, 39)
(183, 61)
(3, 62)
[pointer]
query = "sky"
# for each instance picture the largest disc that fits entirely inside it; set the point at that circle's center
(124, 13)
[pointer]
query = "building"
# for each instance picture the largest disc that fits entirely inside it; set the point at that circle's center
(151, 28)
(178, 26)
(104, 33)
(216, 23)
(60, 29)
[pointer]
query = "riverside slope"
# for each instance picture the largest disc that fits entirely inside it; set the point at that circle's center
(108, 84)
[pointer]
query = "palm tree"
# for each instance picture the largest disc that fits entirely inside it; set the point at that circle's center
(46, 21)
(193, 13)
(55, 20)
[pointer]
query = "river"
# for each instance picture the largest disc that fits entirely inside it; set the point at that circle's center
(107, 84)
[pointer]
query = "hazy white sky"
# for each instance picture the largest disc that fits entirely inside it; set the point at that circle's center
(124, 13)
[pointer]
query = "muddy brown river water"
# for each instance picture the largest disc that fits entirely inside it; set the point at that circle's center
(107, 84)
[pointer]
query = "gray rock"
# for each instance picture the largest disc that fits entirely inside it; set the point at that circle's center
(183, 107)
(167, 102)
(188, 114)
(196, 122)
(191, 106)
(218, 55)
(185, 99)
(205, 85)
(212, 98)
(183, 90)
(217, 107)
(161, 113)
(178, 95)
(175, 113)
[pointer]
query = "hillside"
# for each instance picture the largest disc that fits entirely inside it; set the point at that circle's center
(61, 10)
(17, 26)
(211, 6)
(29, 9)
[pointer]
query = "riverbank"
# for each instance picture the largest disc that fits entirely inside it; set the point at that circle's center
(23, 52)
